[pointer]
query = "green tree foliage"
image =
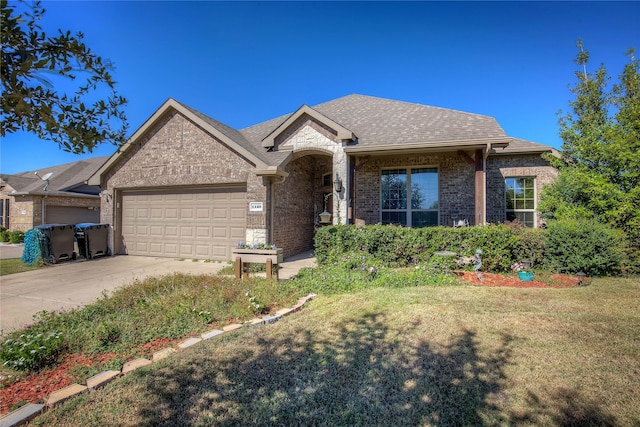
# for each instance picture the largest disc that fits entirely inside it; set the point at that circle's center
(599, 175)
(77, 121)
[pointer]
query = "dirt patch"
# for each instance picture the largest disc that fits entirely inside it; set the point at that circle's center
(500, 280)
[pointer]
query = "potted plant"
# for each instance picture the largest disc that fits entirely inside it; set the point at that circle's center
(523, 268)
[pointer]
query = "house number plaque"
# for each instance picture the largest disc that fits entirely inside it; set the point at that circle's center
(255, 207)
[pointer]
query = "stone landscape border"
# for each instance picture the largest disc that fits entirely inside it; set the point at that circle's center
(29, 411)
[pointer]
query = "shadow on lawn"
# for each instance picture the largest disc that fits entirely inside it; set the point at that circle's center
(360, 376)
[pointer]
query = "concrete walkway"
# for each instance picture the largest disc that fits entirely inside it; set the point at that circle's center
(72, 284)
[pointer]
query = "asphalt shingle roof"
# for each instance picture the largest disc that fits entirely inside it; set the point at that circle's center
(65, 178)
(382, 122)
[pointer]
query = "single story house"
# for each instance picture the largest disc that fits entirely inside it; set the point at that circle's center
(53, 195)
(186, 185)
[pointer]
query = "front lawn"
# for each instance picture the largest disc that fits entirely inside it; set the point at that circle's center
(437, 356)
(15, 265)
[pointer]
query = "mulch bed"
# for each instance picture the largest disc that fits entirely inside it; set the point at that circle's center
(37, 387)
(500, 280)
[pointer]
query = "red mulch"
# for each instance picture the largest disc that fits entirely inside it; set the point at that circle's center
(499, 280)
(39, 386)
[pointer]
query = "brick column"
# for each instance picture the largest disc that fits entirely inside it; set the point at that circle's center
(480, 197)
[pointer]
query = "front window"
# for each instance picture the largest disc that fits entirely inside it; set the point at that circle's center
(409, 197)
(521, 200)
(4, 212)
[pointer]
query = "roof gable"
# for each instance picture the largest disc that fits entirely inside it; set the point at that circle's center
(232, 138)
(341, 132)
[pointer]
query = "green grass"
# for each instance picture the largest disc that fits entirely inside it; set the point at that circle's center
(433, 356)
(171, 306)
(15, 265)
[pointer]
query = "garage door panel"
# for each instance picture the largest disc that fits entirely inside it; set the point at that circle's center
(203, 213)
(142, 214)
(186, 231)
(202, 251)
(170, 249)
(220, 232)
(237, 233)
(203, 231)
(70, 215)
(202, 223)
(220, 213)
(237, 214)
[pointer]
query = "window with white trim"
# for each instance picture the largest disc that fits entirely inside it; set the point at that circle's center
(4, 213)
(521, 200)
(409, 197)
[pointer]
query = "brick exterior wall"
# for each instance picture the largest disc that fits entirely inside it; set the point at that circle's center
(455, 180)
(501, 167)
(297, 202)
(456, 183)
(177, 152)
(25, 212)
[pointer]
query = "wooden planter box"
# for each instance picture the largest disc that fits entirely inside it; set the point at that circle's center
(270, 257)
(259, 256)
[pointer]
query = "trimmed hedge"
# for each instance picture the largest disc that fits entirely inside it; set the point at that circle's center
(501, 245)
(587, 245)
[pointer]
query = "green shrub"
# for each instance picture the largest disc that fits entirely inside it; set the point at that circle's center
(16, 236)
(5, 235)
(394, 246)
(31, 351)
(584, 245)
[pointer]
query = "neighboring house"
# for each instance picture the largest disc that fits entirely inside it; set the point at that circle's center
(186, 185)
(53, 195)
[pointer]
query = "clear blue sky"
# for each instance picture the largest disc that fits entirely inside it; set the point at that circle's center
(246, 62)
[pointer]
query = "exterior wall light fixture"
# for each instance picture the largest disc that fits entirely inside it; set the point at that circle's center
(337, 184)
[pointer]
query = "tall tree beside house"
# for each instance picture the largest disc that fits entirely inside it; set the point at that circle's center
(599, 174)
(33, 63)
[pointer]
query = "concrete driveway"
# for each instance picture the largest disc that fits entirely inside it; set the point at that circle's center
(76, 283)
(71, 284)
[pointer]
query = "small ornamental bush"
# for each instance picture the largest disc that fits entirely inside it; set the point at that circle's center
(4, 235)
(16, 236)
(31, 351)
(584, 245)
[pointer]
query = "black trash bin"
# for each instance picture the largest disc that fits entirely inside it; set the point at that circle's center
(57, 244)
(92, 239)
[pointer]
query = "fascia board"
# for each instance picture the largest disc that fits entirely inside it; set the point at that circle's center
(422, 147)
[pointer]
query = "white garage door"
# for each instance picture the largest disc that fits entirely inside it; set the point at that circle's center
(70, 215)
(194, 223)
